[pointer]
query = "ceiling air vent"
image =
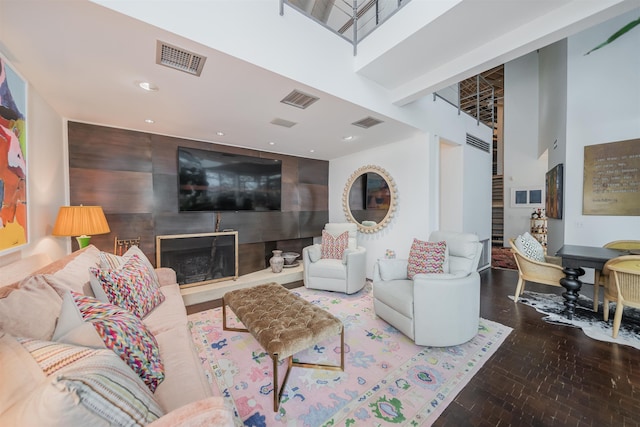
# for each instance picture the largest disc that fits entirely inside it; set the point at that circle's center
(478, 143)
(299, 99)
(283, 122)
(179, 59)
(367, 122)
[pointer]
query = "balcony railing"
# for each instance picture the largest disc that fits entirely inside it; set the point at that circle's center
(352, 20)
(474, 96)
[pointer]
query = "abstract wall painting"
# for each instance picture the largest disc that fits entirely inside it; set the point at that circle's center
(553, 186)
(13, 160)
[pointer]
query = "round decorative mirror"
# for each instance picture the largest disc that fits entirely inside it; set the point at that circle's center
(370, 198)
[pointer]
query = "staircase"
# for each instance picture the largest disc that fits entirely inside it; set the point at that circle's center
(481, 97)
(497, 211)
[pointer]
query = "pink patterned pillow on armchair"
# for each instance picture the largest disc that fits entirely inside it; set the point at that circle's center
(333, 247)
(426, 257)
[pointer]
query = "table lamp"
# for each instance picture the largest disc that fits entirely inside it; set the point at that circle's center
(82, 222)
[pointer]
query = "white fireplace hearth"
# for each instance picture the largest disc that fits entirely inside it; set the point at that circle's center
(206, 265)
(213, 291)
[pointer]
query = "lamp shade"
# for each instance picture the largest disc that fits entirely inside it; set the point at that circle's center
(80, 220)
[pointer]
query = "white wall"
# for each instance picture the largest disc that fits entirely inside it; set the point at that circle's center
(46, 181)
(474, 169)
(523, 167)
(407, 163)
(418, 165)
(477, 192)
(603, 105)
(552, 125)
(451, 187)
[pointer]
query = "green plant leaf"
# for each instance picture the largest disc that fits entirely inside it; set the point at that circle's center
(617, 34)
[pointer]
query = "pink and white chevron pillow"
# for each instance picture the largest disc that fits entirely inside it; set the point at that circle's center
(426, 257)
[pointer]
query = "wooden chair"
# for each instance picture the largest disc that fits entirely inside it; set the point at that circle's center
(624, 273)
(547, 273)
(600, 277)
(120, 246)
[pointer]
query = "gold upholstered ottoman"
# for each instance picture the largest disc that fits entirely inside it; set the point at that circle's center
(283, 324)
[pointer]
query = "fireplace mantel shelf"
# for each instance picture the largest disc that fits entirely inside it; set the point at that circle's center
(213, 291)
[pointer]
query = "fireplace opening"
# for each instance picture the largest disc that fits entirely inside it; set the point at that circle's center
(199, 258)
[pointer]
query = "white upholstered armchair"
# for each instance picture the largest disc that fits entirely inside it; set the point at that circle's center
(328, 268)
(433, 309)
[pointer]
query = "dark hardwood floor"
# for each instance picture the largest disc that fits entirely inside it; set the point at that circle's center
(543, 374)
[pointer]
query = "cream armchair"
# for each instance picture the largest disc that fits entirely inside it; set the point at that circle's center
(437, 310)
(530, 270)
(346, 275)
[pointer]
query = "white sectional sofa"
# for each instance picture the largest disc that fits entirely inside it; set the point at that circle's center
(31, 298)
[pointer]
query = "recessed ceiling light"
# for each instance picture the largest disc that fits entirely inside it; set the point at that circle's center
(347, 138)
(220, 133)
(150, 121)
(148, 86)
(272, 143)
(312, 151)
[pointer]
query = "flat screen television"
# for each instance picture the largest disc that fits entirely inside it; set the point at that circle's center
(214, 181)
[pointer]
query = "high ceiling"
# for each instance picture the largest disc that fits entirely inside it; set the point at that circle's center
(86, 61)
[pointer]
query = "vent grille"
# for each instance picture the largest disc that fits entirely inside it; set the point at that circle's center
(179, 59)
(283, 122)
(299, 99)
(367, 122)
(478, 143)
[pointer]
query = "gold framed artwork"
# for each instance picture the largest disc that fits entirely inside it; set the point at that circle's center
(13, 160)
(612, 179)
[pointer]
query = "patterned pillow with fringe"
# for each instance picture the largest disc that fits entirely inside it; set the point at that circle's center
(95, 379)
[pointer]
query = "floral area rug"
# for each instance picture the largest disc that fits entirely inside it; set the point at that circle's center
(591, 323)
(387, 380)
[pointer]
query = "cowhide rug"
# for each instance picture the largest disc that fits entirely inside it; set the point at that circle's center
(591, 323)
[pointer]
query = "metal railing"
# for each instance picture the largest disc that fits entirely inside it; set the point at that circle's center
(352, 20)
(474, 96)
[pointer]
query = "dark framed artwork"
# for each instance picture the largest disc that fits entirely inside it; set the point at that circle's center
(526, 197)
(553, 186)
(13, 159)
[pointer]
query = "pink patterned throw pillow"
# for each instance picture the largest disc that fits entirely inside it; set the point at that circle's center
(333, 247)
(126, 335)
(132, 286)
(426, 257)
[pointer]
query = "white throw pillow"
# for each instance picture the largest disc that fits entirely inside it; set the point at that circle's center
(392, 269)
(315, 253)
(530, 247)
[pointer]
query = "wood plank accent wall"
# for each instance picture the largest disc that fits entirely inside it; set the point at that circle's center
(133, 176)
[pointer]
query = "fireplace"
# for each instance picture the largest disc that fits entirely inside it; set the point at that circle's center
(199, 258)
